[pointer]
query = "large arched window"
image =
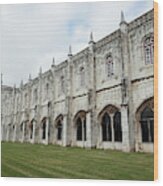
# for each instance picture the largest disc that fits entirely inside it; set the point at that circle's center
(110, 120)
(106, 128)
(80, 122)
(117, 127)
(59, 130)
(109, 66)
(149, 49)
(147, 125)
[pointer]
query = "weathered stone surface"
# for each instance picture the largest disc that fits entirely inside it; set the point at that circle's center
(81, 84)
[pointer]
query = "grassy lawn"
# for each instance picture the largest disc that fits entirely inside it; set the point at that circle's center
(27, 160)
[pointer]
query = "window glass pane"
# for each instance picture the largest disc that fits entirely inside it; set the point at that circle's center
(145, 131)
(117, 127)
(79, 129)
(106, 128)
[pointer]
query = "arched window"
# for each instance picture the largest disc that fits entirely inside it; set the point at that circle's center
(149, 50)
(59, 130)
(82, 76)
(106, 128)
(44, 129)
(117, 127)
(109, 66)
(47, 89)
(147, 125)
(79, 129)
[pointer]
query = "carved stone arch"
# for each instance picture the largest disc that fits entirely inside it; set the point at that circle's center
(151, 34)
(81, 114)
(58, 119)
(109, 109)
(144, 123)
(147, 103)
(31, 122)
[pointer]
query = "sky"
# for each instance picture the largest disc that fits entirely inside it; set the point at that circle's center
(31, 35)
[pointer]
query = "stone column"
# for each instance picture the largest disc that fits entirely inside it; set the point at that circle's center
(23, 137)
(125, 128)
(89, 131)
(47, 132)
(64, 133)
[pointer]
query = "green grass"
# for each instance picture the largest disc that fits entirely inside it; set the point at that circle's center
(27, 160)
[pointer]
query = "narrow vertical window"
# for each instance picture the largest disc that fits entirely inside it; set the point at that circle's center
(149, 50)
(106, 128)
(117, 127)
(62, 90)
(147, 125)
(59, 132)
(109, 66)
(79, 129)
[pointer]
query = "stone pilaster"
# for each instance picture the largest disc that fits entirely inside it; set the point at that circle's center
(125, 128)
(89, 130)
(64, 132)
(92, 91)
(128, 124)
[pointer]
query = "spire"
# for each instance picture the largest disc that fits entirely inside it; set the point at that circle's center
(53, 62)
(70, 52)
(91, 38)
(122, 18)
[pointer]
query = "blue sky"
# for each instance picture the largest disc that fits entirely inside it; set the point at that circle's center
(32, 34)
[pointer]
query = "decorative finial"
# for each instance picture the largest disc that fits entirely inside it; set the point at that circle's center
(53, 62)
(122, 17)
(70, 51)
(91, 38)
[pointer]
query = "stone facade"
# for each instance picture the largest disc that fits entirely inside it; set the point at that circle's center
(67, 104)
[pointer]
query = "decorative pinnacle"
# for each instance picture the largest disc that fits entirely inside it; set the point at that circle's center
(70, 51)
(122, 17)
(91, 38)
(53, 62)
